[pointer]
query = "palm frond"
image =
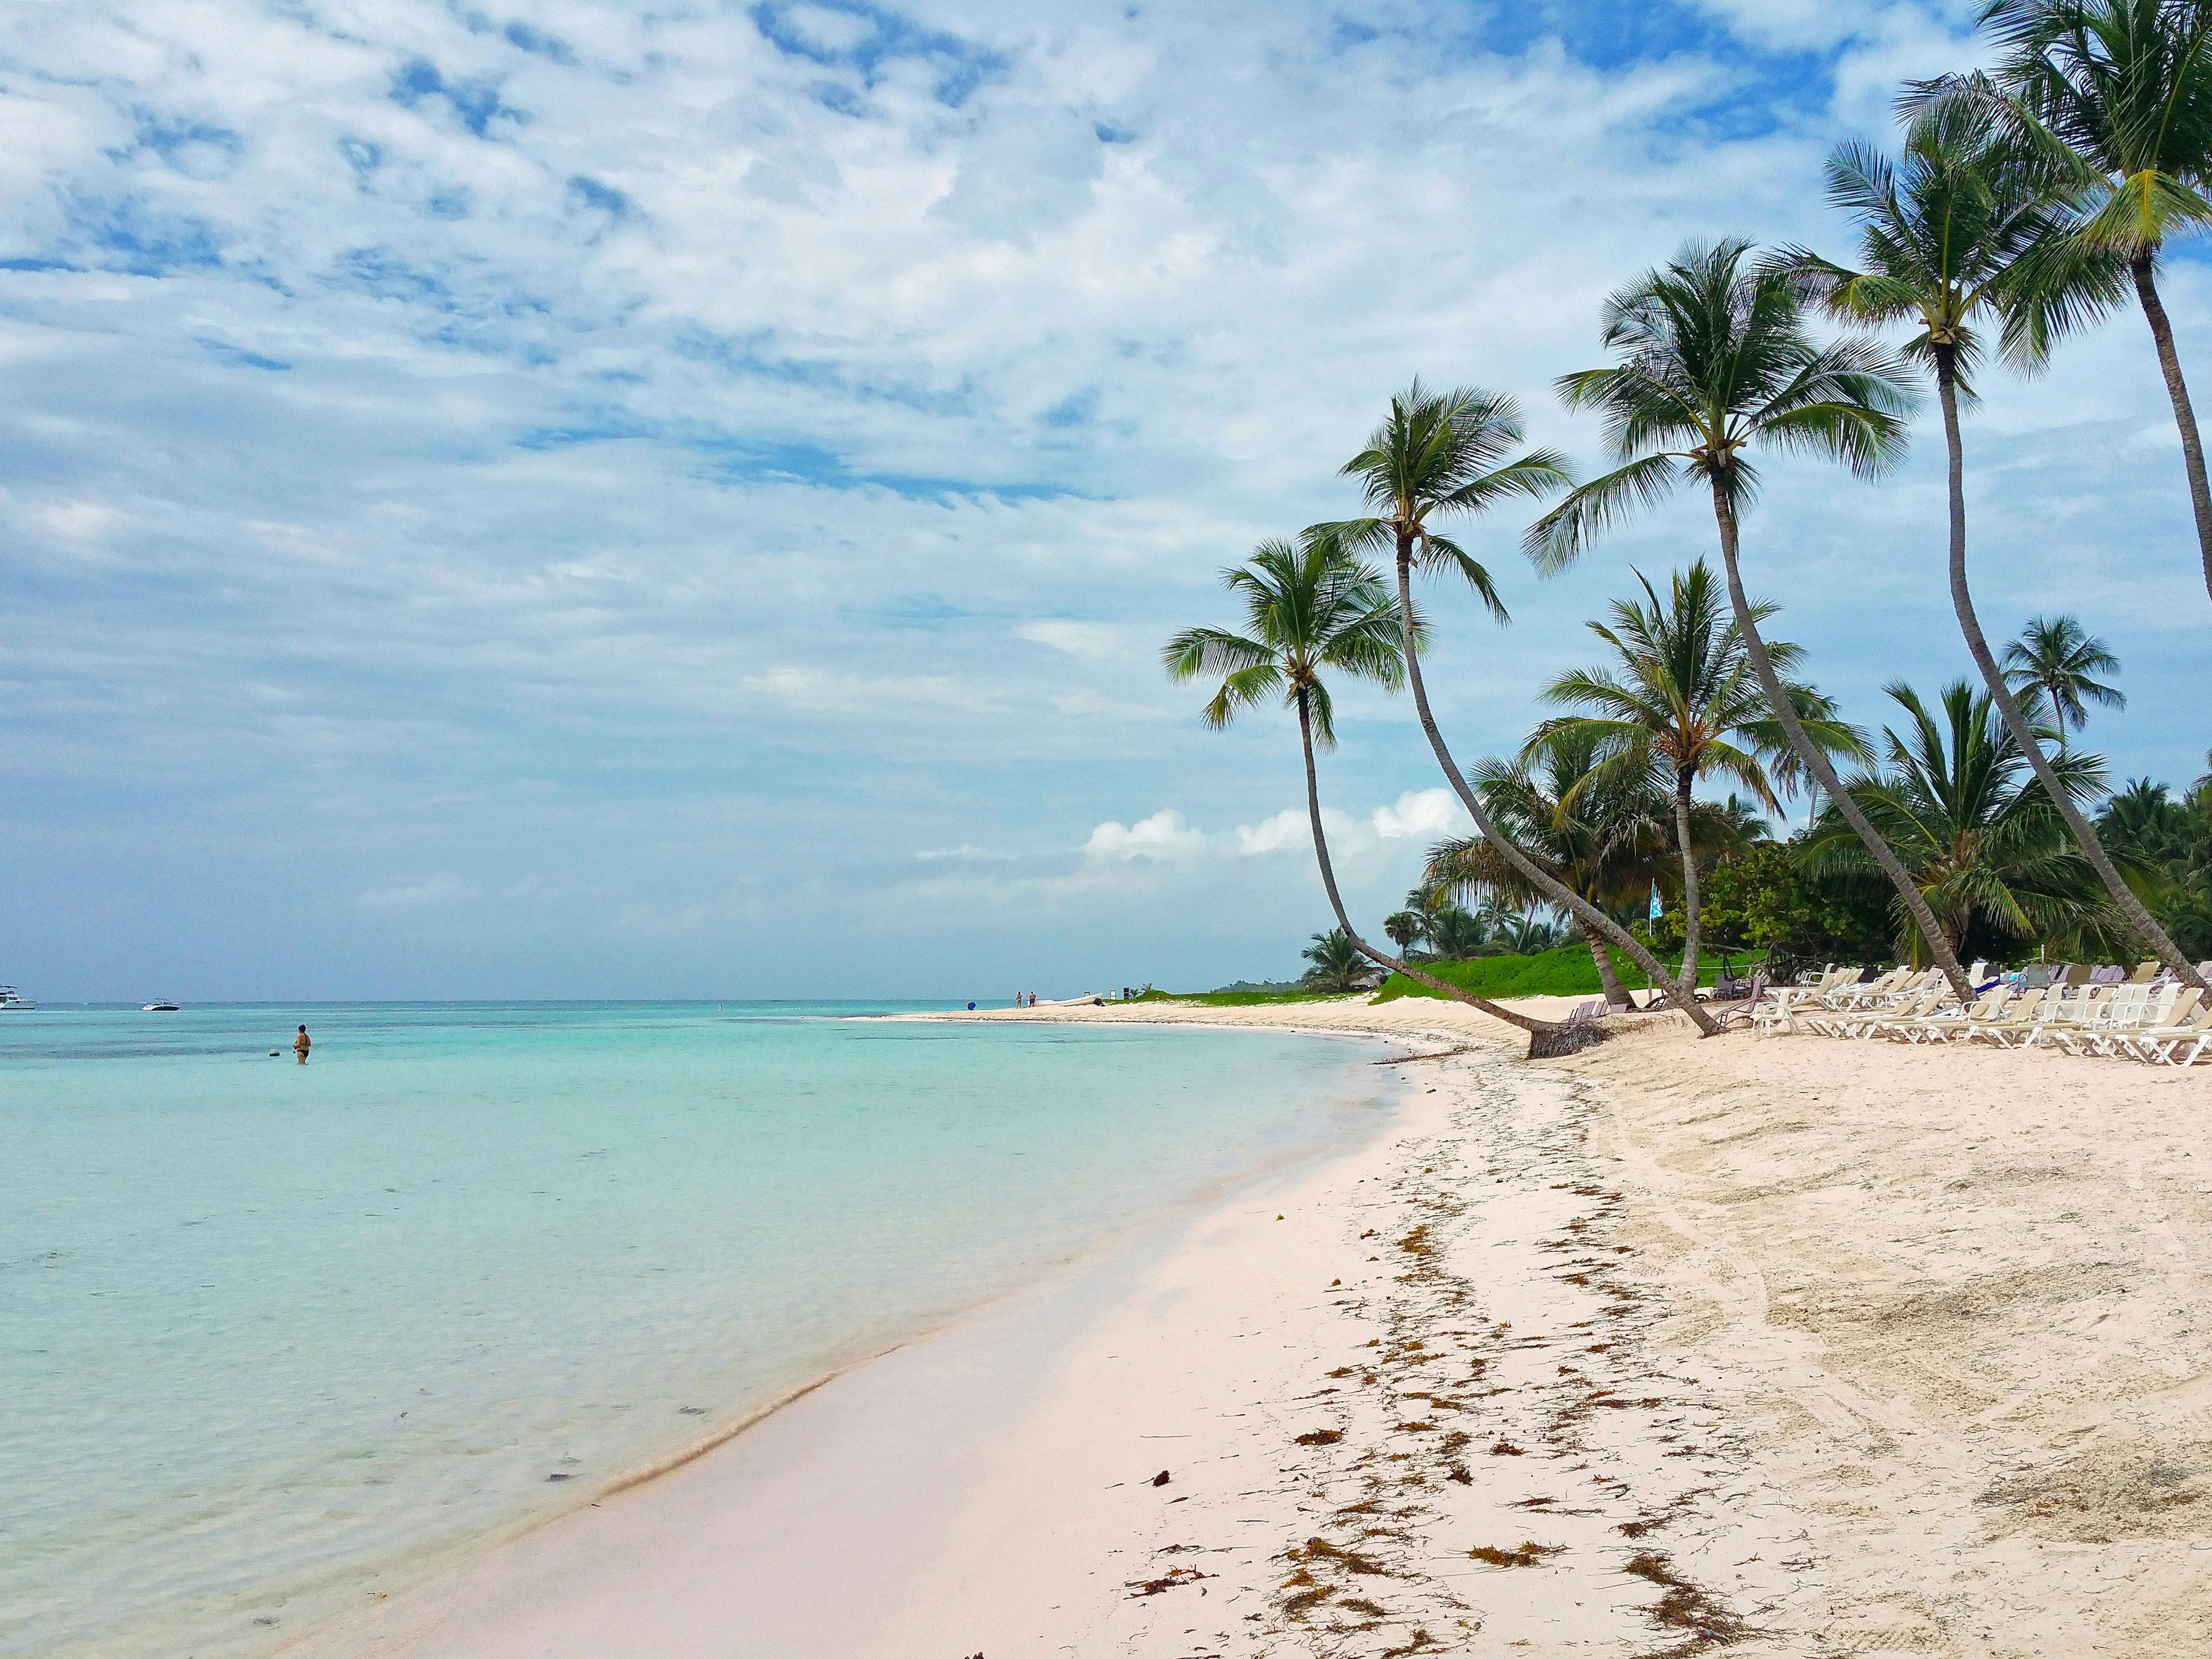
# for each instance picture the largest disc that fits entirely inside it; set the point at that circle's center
(1564, 535)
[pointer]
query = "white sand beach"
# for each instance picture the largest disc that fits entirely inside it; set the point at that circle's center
(1786, 1345)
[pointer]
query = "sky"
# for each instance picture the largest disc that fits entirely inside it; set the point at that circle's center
(577, 500)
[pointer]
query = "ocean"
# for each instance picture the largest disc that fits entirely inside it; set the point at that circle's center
(268, 1331)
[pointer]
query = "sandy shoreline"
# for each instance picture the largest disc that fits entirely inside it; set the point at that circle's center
(1793, 1345)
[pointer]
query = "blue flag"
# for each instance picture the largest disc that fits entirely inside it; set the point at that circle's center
(1656, 908)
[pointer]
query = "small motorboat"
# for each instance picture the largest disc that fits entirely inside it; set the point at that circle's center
(159, 1008)
(11, 998)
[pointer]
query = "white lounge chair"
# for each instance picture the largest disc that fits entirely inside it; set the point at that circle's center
(2187, 1022)
(1942, 1027)
(2065, 1014)
(1885, 1021)
(2021, 1017)
(2129, 1008)
(1777, 1012)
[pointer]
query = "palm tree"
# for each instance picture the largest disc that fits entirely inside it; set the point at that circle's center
(1982, 840)
(2060, 660)
(1679, 703)
(1428, 907)
(1439, 454)
(1742, 825)
(1595, 833)
(1402, 928)
(1523, 930)
(1459, 934)
(1715, 359)
(2122, 90)
(1966, 230)
(1309, 610)
(1338, 967)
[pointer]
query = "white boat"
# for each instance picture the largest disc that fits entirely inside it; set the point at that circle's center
(159, 1008)
(11, 998)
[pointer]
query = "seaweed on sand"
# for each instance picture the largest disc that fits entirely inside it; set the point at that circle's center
(1529, 1554)
(1691, 1608)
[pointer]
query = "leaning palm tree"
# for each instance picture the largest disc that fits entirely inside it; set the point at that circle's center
(2120, 91)
(1979, 834)
(1440, 454)
(1963, 230)
(1598, 834)
(1679, 703)
(1715, 359)
(1311, 610)
(2057, 660)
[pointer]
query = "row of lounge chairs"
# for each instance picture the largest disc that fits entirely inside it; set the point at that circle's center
(2145, 1017)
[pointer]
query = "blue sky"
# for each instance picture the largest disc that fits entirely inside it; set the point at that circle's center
(565, 499)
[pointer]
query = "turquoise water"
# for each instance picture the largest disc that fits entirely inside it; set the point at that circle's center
(267, 1331)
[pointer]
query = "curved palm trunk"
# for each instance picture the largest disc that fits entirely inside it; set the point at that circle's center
(1616, 996)
(1559, 893)
(2192, 444)
(1816, 763)
(1543, 1035)
(1962, 601)
(1688, 976)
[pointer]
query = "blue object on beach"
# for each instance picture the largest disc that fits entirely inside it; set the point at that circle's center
(1657, 909)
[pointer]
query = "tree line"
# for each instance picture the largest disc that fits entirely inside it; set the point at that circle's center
(2024, 204)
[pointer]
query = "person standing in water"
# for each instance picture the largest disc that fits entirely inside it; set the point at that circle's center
(300, 1044)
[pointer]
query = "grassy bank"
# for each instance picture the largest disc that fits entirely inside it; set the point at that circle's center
(1565, 972)
(1229, 998)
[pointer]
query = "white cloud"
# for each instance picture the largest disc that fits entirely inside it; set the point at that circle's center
(414, 895)
(969, 854)
(1288, 827)
(1165, 835)
(1422, 814)
(1095, 641)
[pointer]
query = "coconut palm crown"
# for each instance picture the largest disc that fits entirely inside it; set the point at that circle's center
(2125, 86)
(1436, 455)
(2120, 92)
(1308, 611)
(1715, 361)
(2057, 658)
(1965, 236)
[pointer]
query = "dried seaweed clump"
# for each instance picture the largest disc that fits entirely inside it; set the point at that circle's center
(1529, 1554)
(1687, 1607)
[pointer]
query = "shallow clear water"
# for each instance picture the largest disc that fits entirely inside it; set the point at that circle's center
(267, 1331)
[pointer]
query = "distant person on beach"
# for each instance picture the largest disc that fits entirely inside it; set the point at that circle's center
(301, 1043)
